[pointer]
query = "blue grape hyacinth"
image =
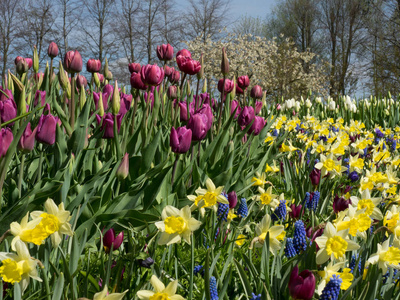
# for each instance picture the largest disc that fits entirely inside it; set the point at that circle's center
(290, 250)
(242, 209)
(280, 211)
(213, 288)
(332, 289)
(299, 239)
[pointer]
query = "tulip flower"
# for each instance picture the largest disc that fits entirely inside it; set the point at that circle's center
(188, 65)
(152, 75)
(8, 110)
(238, 90)
(232, 198)
(256, 92)
(93, 65)
(134, 68)
(137, 83)
(206, 110)
(80, 81)
(315, 176)
(180, 139)
(107, 124)
(259, 106)
(168, 70)
(257, 125)
(295, 211)
(73, 62)
(123, 168)
(5, 92)
(184, 52)
(246, 116)
(22, 66)
(174, 77)
(243, 82)
(52, 51)
(234, 105)
(27, 140)
(46, 129)
(172, 92)
(340, 204)
(229, 85)
(183, 110)
(126, 102)
(110, 240)
(6, 137)
(165, 52)
(301, 286)
(40, 96)
(198, 123)
(224, 63)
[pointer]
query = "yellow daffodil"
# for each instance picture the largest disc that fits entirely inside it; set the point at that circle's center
(386, 256)
(262, 230)
(160, 291)
(370, 204)
(267, 197)
(103, 295)
(356, 164)
(273, 168)
(176, 225)
(26, 232)
(241, 238)
(333, 269)
(259, 180)
(334, 244)
(392, 217)
(356, 221)
(330, 165)
(19, 267)
(54, 221)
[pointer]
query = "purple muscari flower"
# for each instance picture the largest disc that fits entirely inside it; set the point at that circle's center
(353, 176)
(379, 133)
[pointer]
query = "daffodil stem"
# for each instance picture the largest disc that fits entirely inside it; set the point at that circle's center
(174, 170)
(46, 282)
(192, 269)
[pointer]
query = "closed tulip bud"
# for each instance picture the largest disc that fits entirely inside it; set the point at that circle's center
(183, 110)
(109, 76)
(184, 52)
(257, 125)
(96, 79)
(172, 92)
(301, 286)
(82, 97)
(256, 92)
(152, 75)
(180, 139)
(246, 116)
(233, 93)
(315, 176)
(165, 52)
(93, 65)
(8, 110)
(17, 59)
(168, 71)
(123, 168)
(6, 137)
(296, 210)
(243, 82)
(201, 72)
(259, 106)
(21, 66)
(134, 68)
(232, 198)
(81, 81)
(188, 90)
(204, 90)
(106, 70)
(137, 83)
(39, 79)
(188, 65)
(52, 51)
(110, 240)
(116, 100)
(174, 77)
(229, 85)
(101, 105)
(340, 204)
(73, 62)
(27, 140)
(224, 63)
(35, 60)
(198, 124)
(10, 83)
(62, 77)
(46, 129)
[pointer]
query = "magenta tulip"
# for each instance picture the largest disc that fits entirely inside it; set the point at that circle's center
(198, 124)
(246, 116)
(207, 111)
(174, 77)
(295, 213)
(152, 75)
(46, 129)
(188, 65)
(315, 176)
(301, 286)
(29, 61)
(93, 65)
(340, 204)
(184, 52)
(110, 240)
(257, 125)
(40, 96)
(183, 110)
(8, 110)
(6, 137)
(27, 140)
(168, 70)
(21, 66)
(137, 83)
(165, 52)
(256, 92)
(243, 82)
(229, 85)
(172, 92)
(126, 102)
(234, 105)
(239, 90)
(73, 62)
(107, 124)
(180, 139)
(80, 81)
(52, 51)
(232, 198)
(134, 67)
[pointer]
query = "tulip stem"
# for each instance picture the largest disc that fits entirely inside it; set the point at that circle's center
(72, 107)
(39, 174)
(20, 175)
(137, 98)
(116, 141)
(197, 92)
(183, 80)
(192, 268)
(174, 169)
(220, 106)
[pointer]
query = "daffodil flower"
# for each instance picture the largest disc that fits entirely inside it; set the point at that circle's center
(54, 221)
(103, 295)
(330, 165)
(273, 168)
(386, 256)
(176, 225)
(267, 198)
(356, 164)
(370, 204)
(259, 180)
(356, 221)
(25, 232)
(333, 269)
(160, 291)
(333, 244)
(262, 230)
(18, 267)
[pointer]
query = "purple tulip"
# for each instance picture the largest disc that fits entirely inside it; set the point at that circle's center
(22, 66)
(168, 71)
(110, 240)
(180, 139)
(257, 125)
(8, 110)
(29, 61)
(259, 106)
(7, 92)
(46, 129)
(96, 98)
(80, 81)
(206, 110)
(126, 101)
(234, 105)
(232, 198)
(183, 110)
(198, 124)
(229, 85)
(246, 116)
(27, 140)
(123, 168)
(188, 65)
(93, 65)
(165, 52)
(295, 213)
(256, 92)
(107, 124)
(174, 77)
(315, 176)
(301, 286)
(243, 82)
(239, 90)
(149, 97)
(40, 95)
(172, 92)
(73, 62)
(184, 52)
(340, 204)
(137, 83)
(152, 75)
(52, 51)
(6, 137)
(134, 67)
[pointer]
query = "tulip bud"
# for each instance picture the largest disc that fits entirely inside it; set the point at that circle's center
(229, 85)
(256, 92)
(6, 137)
(39, 79)
(22, 103)
(204, 90)
(116, 99)
(46, 129)
(80, 81)
(109, 76)
(340, 204)
(10, 84)
(27, 140)
(96, 79)
(167, 71)
(233, 93)
(188, 91)
(93, 65)
(315, 177)
(35, 60)
(224, 63)
(52, 51)
(243, 82)
(73, 62)
(106, 70)
(123, 168)
(110, 240)
(82, 97)
(295, 213)
(22, 66)
(134, 68)
(172, 92)
(201, 72)
(180, 139)
(101, 105)
(62, 77)
(232, 198)
(301, 286)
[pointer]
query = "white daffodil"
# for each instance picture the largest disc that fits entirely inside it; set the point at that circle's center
(176, 225)
(54, 221)
(161, 292)
(18, 267)
(356, 221)
(370, 204)
(262, 229)
(330, 165)
(103, 295)
(386, 256)
(333, 244)
(25, 232)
